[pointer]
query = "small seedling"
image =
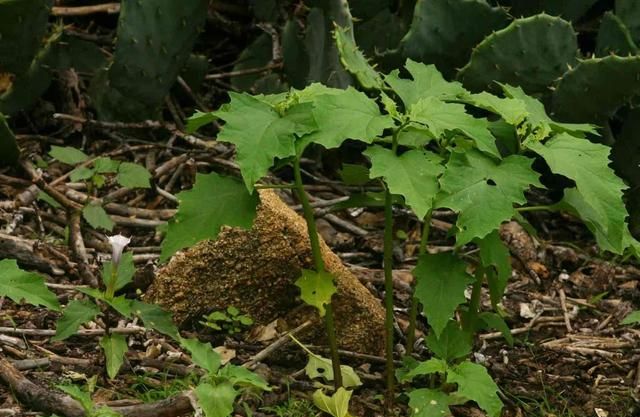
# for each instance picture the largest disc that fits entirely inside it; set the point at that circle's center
(228, 321)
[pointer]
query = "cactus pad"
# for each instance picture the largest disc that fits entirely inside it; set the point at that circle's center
(614, 37)
(629, 13)
(530, 52)
(568, 9)
(23, 24)
(444, 31)
(596, 88)
(154, 40)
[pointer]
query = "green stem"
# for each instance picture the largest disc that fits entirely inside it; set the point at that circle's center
(388, 286)
(319, 266)
(534, 208)
(110, 291)
(413, 312)
(274, 186)
(474, 303)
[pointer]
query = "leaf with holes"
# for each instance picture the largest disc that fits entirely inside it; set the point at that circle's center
(320, 367)
(597, 196)
(484, 191)
(316, 288)
(413, 175)
(213, 202)
(21, 285)
(425, 402)
(441, 281)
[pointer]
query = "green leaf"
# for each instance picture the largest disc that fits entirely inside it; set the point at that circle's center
(21, 285)
(199, 119)
(68, 155)
(413, 175)
(81, 173)
(337, 405)
(216, 400)
(475, 383)
(268, 136)
(202, 354)
(453, 343)
(354, 60)
(242, 377)
(114, 346)
(425, 402)
(132, 175)
(42, 196)
(484, 191)
(78, 394)
(632, 318)
(74, 315)
(155, 318)
(512, 110)
(597, 197)
(415, 136)
(316, 288)
(213, 202)
(495, 255)
(346, 114)
(320, 367)
(122, 305)
(441, 281)
(540, 124)
(104, 165)
(443, 117)
(430, 366)
(427, 82)
(95, 215)
(494, 321)
(126, 271)
(353, 174)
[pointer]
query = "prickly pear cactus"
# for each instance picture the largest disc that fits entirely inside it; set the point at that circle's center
(568, 9)
(8, 148)
(629, 13)
(614, 37)
(23, 24)
(595, 88)
(155, 38)
(530, 52)
(444, 31)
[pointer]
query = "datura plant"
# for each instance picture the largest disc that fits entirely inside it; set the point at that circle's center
(431, 144)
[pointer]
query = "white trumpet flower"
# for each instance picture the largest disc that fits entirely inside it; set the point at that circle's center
(118, 243)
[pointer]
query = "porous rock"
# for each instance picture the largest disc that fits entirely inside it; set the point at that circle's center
(255, 270)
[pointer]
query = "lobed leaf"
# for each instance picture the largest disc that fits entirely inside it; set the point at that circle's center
(132, 175)
(97, 217)
(484, 191)
(475, 383)
(337, 405)
(316, 288)
(74, 315)
(213, 202)
(216, 400)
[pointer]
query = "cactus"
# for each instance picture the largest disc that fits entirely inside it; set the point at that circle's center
(629, 13)
(258, 54)
(354, 60)
(530, 52)
(596, 88)
(9, 151)
(155, 39)
(614, 37)
(444, 31)
(568, 9)
(23, 24)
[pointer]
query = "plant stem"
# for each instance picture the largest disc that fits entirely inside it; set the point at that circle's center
(110, 290)
(319, 266)
(534, 208)
(474, 303)
(413, 312)
(388, 286)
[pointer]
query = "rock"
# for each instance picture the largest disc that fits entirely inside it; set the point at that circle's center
(255, 270)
